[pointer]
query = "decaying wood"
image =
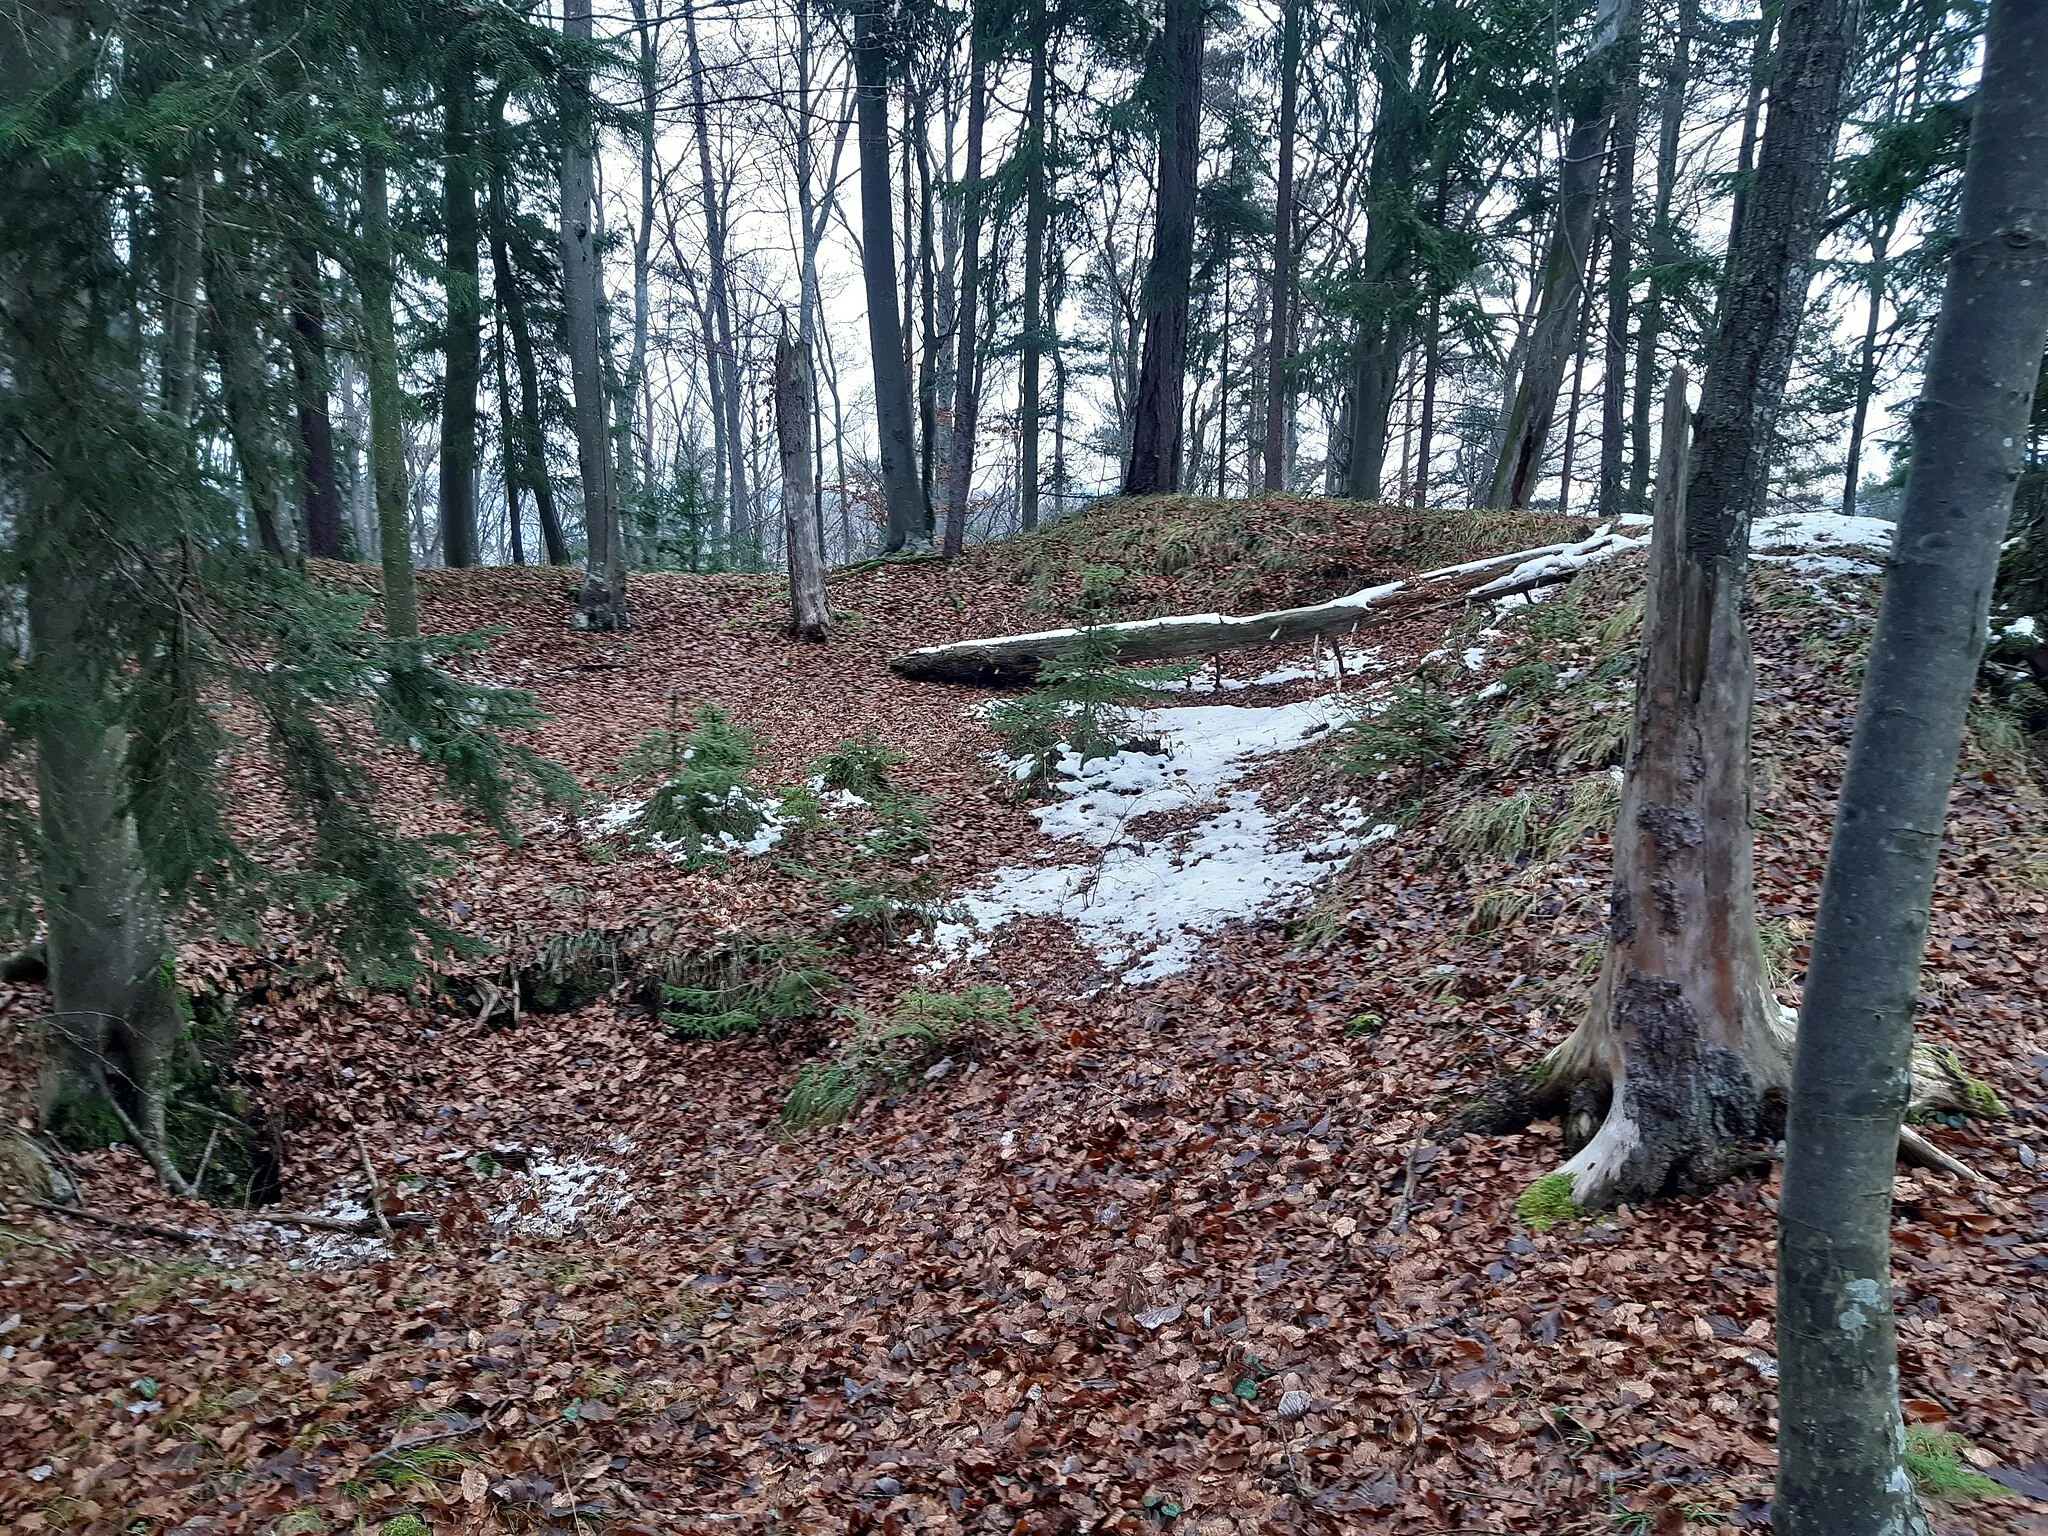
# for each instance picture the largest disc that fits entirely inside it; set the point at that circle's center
(1010, 660)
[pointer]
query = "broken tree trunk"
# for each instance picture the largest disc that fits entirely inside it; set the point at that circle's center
(809, 618)
(1011, 660)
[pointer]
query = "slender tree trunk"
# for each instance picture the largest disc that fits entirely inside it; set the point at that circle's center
(186, 207)
(809, 617)
(928, 322)
(529, 441)
(1866, 368)
(1566, 267)
(1621, 213)
(1427, 429)
(1400, 127)
(1663, 248)
(719, 277)
(1155, 462)
(966, 383)
(1760, 68)
(1032, 345)
(319, 491)
(237, 349)
(1279, 380)
(603, 603)
(1571, 418)
(374, 278)
(464, 338)
(635, 383)
(1841, 1444)
(508, 445)
(1681, 1025)
(878, 266)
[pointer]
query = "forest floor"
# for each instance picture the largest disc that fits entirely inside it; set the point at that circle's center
(1197, 1247)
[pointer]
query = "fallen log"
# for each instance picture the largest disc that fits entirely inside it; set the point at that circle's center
(1012, 660)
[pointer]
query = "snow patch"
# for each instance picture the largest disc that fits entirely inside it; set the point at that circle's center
(1144, 906)
(1818, 533)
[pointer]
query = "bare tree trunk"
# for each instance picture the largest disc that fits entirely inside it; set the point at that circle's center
(1663, 249)
(1566, 267)
(603, 602)
(1680, 1024)
(464, 339)
(1280, 332)
(508, 446)
(634, 384)
(1866, 367)
(1032, 344)
(809, 616)
(319, 491)
(530, 443)
(719, 277)
(1621, 213)
(966, 379)
(1428, 424)
(231, 328)
(878, 267)
(1760, 64)
(1841, 1443)
(187, 208)
(374, 278)
(1155, 460)
(927, 296)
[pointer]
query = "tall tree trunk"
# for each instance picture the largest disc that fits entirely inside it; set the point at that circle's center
(1280, 332)
(374, 279)
(809, 617)
(1155, 461)
(319, 490)
(1566, 266)
(1621, 214)
(719, 278)
(634, 384)
(1399, 129)
(1681, 1025)
(186, 208)
(928, 317)
(603, 602)
(531, 443)
(464, 338)
(878, 267)
(966, 383)
(1866, 366)
(1663, 248)
(1761, 61)
(1841, 1443)
(1428, 425)
(1031, 347)
(508, 446)
(238, 350)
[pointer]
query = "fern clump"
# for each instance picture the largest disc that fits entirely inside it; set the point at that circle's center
(915, 1037)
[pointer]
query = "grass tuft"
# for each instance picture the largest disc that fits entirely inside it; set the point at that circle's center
(1505, 828)
(1934, 1460)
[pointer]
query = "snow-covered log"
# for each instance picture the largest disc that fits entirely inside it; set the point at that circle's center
(1007, 660)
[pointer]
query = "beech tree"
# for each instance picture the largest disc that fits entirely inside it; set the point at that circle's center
(1842, 1445)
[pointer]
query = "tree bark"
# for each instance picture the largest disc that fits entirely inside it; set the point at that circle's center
(1621, 213)
(1866, 366)
(1031, 344)
(508, 445)
(374, 278)
(319, 491)
(1679, 1023)
(603, 601)
(966, 380)
(719, 277)
(1663, 249)
(878, 268)
(237, 349)
(809, 616)
(1280, 329)
(1155, 459)
(1842, 1464)
(1566, 267)
(532, 454)
(186, 207)
(464, 340)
